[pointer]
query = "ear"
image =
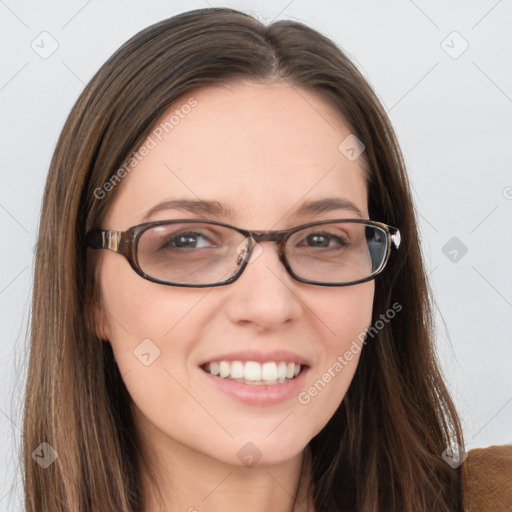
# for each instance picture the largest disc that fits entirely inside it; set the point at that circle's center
(101, 326)
(97, 316)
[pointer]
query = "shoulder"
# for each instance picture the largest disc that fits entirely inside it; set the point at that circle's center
(487, 474)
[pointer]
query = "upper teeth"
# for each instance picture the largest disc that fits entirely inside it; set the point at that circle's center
(254, 371)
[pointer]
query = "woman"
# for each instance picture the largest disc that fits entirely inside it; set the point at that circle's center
(230, 306)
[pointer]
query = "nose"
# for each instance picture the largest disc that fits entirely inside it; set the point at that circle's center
(265, 294)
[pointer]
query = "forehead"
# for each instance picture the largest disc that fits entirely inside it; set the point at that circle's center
(259, 149)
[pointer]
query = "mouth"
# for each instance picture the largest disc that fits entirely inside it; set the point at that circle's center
(253, 372)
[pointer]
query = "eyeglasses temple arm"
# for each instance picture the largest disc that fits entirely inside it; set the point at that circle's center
(396, 238)
(104, 239)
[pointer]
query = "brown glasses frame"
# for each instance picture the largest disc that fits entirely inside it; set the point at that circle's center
(126, 242)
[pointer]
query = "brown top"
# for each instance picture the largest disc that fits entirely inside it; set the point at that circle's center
(487, 475)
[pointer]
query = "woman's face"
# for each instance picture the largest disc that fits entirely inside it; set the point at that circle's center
(261, 151)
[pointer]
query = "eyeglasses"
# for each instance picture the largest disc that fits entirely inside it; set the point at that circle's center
(199, 253)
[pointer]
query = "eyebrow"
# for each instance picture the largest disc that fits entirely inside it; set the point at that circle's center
(327, 205)
(202, 207)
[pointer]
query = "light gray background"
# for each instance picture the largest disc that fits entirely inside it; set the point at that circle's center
(453, 117)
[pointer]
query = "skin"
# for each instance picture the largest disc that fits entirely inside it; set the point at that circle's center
(260, 149)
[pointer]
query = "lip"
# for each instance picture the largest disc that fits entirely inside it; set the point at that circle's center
(258, 395)
(260, 357)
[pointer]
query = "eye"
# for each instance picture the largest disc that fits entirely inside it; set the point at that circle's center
(187, 240)
(324, 240)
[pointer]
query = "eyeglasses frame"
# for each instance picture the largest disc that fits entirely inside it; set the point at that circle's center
(126, 243)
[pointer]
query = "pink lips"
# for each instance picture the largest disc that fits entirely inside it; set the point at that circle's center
(261, 394)
(260, 357)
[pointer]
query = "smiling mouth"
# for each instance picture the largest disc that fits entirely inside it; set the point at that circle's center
(253, 372)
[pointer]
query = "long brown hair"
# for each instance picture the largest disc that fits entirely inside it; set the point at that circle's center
(381, 451)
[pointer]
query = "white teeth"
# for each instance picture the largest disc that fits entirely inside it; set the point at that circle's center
(214, 368)
(224, 369)
(237, 370)
(253, 372)
(281, 370)
(269, 371)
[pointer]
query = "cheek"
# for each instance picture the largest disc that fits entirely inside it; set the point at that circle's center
(346, 316)
(152, 333)
(143, 317)
(138, 308)
(344, 313)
